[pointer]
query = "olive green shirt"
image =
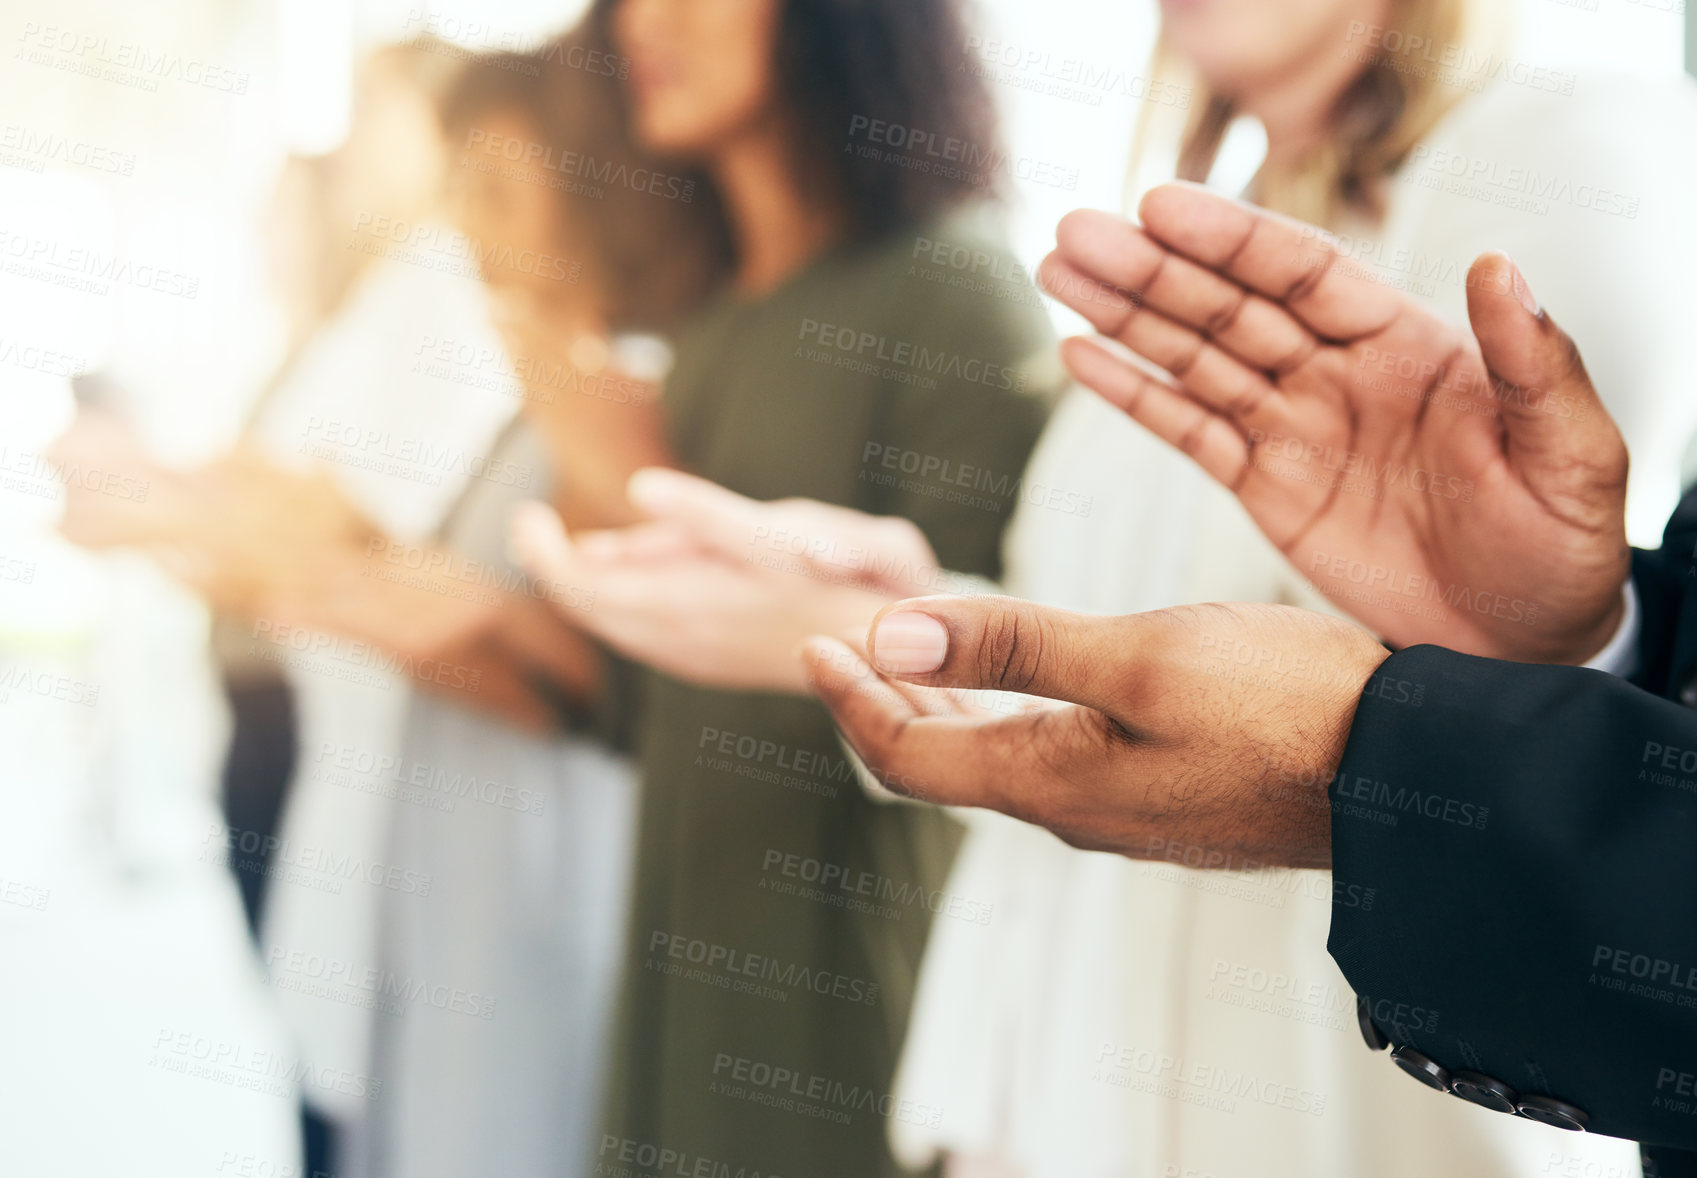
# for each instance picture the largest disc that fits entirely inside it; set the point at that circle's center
(779, 913)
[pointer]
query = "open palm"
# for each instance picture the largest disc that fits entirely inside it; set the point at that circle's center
(1462, 489)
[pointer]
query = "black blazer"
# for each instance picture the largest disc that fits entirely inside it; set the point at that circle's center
(1514, 851)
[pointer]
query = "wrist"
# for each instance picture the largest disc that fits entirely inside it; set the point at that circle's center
(1615, 631)
(1313, 837)
(1575, 646)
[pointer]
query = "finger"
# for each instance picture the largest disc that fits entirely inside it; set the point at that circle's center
(947, 761)
(1547, 403)
(538, 544)
(653, 541)
(1097, 299)
(1006, 644)
(825, 535)
(1192, 428)
(536, 540)
(718, 517)
(618, 569)
(960, 702)
(1293, 264)
(934, 759)
(877, 549)
(1249, 326)
(1210, 375)
(847, 654)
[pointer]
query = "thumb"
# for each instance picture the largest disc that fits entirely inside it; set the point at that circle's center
(1547, 403)
(1005, 644)
(537, 541)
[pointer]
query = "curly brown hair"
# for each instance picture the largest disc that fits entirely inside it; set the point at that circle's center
(843, 64)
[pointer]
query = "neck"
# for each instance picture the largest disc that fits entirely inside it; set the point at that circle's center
(777, 230)
(1295, 107)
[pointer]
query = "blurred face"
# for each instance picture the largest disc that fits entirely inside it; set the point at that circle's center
(701, 70)
(1242, 44)
(503, 198)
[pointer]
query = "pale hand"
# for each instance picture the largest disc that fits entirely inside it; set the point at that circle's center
(721, 590)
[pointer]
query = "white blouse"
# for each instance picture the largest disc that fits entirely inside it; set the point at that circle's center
(370, 387)
(1122, 1018)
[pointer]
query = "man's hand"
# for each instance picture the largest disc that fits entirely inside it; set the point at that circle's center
(1463, 490)
(1216, 727)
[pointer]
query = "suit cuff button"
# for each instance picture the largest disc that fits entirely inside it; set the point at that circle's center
(1484, 1090)
(1422, 1068)
(1370, 1032)
(1547, 1110)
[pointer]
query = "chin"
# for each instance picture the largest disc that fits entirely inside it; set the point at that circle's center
(1220, 73)
(666, 133)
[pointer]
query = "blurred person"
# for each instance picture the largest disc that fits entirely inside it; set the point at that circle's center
(1363, 139)
(822, 349)
(311, 274)
(510, 856)
(356, 375)
(328, 580)
(357, 311)
(523, 827)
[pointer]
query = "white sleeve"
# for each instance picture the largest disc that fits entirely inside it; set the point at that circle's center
(1620, 656)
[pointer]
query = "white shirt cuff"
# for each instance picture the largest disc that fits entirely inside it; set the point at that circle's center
(1620, 656)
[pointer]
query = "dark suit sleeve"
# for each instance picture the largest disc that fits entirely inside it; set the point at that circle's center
(1515, 886)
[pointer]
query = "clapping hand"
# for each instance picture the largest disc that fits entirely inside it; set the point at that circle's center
(721, 590)
(1441, 486)
(1216, 727)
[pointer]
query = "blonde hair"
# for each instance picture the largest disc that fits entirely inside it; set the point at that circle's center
(1432, 55)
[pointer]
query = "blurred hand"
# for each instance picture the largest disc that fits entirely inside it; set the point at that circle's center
(419, 612)
(238, 530)
(261, 530)
(1216, 727)
(459, 637)
(1462, 490)
(821, 541)
(98, 453)
(248, 491)
(721, 590)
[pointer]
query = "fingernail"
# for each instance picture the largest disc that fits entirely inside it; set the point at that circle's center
(909, 644)
(1522, 291)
